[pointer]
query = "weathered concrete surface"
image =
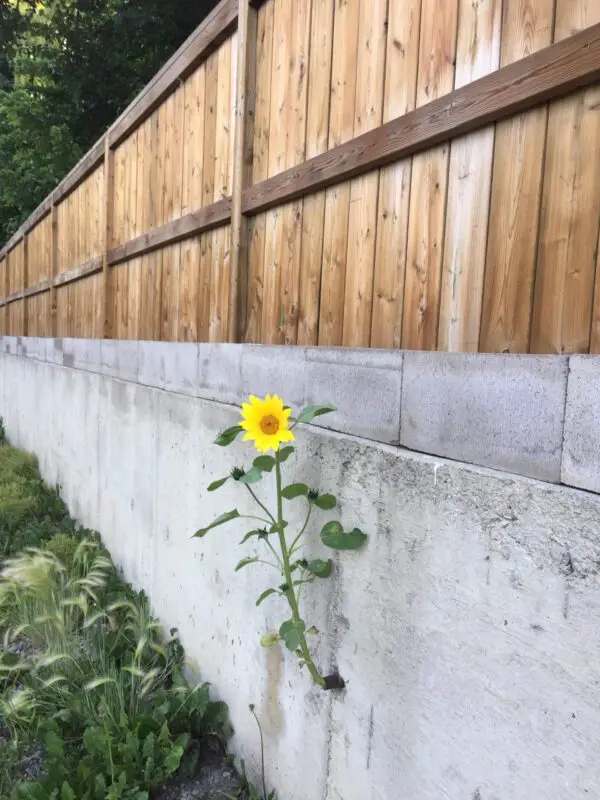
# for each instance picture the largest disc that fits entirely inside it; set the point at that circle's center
(467, 629)
(506, 413)
(581, 454)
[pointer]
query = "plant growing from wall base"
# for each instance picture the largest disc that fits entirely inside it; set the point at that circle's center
(269, 424)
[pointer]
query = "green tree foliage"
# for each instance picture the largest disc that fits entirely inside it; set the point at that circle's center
(67, 69)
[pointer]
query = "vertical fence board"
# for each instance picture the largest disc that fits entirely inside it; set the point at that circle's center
(337, 199)
(193, 155)
(566, 267)
(260, 169)
(288, 116)
(437, 52)
(469, 181)
(241, 165)
(516, 193)
(224, 135)
(404, 24)
(362, 217)
(317, 136)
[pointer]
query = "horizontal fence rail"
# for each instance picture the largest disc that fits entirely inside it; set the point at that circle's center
(385, 174)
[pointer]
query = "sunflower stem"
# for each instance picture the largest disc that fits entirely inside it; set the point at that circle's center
(290, 593)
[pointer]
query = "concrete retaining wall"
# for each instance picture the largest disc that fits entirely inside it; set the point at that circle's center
(530, 415)
(468, 627)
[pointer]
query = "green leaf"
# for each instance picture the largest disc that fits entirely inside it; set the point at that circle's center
(245, 562)
(320, 568)
(264, 463)
(217, 484)
(173, 760)
(292, 631)
(294, 490)
(249, 535)
(269, 639)
(225, 438)
(284, 453)
(266, 594)
(253, 475)
(310, 412)
(334, 536)
(66, 793)
(227, 517)
(326, 502)
(148, 748)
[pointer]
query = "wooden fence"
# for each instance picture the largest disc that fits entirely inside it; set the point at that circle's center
(384, 173)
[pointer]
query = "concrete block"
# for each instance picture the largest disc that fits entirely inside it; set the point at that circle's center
(275, 370)
(42, 345)
(151, 368)
(119, 359)
(173, 366)
(30, 346)
(498, 411)
(220, 372)
(182, 368)
(581, 446)
(365, 386)
(87, 354)
(59, 345)
(54, 351)
(68, 352)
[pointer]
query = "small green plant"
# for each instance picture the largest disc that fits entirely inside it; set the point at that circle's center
(269, 424)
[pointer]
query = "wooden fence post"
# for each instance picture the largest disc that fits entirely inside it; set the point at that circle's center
(25, 284)
(108, 201)
(53, 272)
(242, 167)
(6, 293)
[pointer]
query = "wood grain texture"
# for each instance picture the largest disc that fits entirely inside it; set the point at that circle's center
(107, 239)
(260, 169)
(362, 217)
(243, 118)
(469, 182)
(291, 25)
(25, 285)
(192, 198)
(437, 52)
(404, 24)
(337, 199)
(207, 218)
(551, 73)
(317, 136)
(568, 237)
(516, 193)
(221, 237)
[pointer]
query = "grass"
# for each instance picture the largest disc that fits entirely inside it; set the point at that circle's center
(84, 668)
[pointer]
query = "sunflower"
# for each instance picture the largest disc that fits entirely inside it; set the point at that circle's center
(266, 422)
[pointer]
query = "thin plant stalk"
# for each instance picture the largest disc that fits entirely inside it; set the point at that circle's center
(290, 593)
